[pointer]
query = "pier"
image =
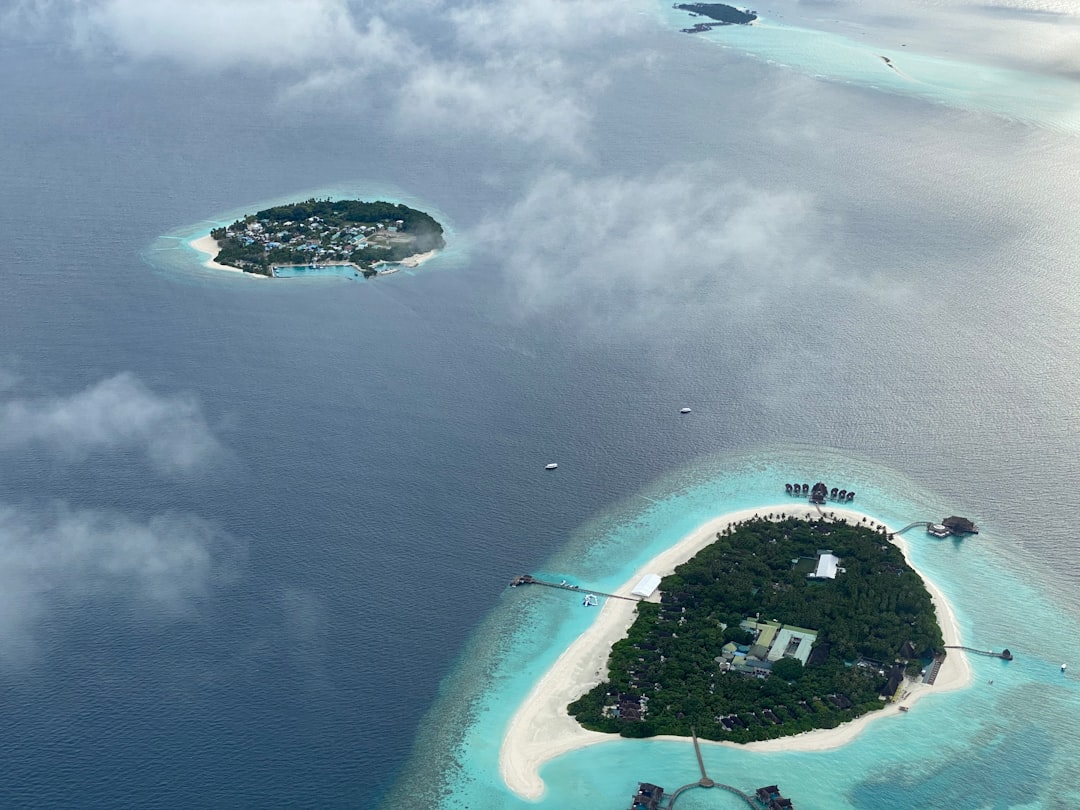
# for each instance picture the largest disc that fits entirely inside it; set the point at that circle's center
(526, 579)
(925, 523)
(1004, 655)
(652, 797)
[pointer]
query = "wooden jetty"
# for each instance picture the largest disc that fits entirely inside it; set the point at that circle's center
(527, 579)
(912, 525)
(935, 667)
(1004, 655)
(652, 797)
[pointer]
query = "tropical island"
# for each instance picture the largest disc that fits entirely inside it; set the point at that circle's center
(719, 13)
(776, 628)
(542, 728)
(370, 237)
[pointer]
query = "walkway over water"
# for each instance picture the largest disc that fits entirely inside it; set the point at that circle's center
(1004, 655)
(526, 579)
(706, 782)
(913, 525)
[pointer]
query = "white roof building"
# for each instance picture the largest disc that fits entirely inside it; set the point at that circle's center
(646, 586)
(827, 565)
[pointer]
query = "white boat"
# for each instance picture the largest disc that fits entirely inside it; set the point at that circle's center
(1063, 667)
(552, 466)
(685, 410)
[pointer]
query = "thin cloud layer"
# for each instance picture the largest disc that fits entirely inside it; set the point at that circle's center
(164, 566)
(500, 68)
(627, 249)
(119, 413)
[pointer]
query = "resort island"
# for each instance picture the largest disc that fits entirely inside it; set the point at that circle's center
(655, 664)
(776, 628)
(371, 238)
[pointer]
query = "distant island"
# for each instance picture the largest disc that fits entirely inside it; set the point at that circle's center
(366, 236)
(720, 13)
(776, 628)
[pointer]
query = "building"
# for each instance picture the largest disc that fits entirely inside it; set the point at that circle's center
(646, 586)
(960, 525)
(648, 797)
(827, 566)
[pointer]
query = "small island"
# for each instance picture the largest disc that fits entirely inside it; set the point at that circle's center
(371, 238)
(776, 628)
(720, 13)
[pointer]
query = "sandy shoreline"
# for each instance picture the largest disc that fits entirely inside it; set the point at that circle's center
(541, 729)
(208, 245)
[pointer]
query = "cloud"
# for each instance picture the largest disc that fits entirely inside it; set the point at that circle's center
(164, 565)
(202, 34)
(119, 413)
(540, 24)
(619, 249)
(498, 69)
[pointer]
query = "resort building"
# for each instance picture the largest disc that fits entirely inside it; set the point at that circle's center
(646, 586)
(772, 641)
(827, 566)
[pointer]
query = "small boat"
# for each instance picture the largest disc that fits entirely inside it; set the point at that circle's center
(684, 410)
(1063, 667)
(551, 466)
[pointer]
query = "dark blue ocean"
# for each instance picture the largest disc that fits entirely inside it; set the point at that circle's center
(253, 535)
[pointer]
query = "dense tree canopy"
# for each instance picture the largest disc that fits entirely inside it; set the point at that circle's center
(875, 613)
(327, 231)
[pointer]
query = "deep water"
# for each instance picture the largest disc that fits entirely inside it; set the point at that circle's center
(382, 443)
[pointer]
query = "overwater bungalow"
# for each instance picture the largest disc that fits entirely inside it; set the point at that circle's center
(960, 525)
(648, 797)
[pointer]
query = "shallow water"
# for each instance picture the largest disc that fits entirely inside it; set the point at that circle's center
(890, 304)
(1023, 724)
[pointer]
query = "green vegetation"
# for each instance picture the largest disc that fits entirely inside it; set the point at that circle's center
(873, 620)
(728, 15)
(327, 232)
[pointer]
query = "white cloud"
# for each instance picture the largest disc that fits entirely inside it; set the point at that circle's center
(117, 413)
(522, 98)
(164, 566)
(210, 34)
(497, 69)
(628, 249)
(540, 24)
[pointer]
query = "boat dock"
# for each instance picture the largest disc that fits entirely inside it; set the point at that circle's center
(527, 579)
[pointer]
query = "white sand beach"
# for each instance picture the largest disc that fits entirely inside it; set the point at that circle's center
(409, 261)
(541, 729)
(208, 245)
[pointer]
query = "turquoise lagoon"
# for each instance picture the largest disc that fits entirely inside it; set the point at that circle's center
(1012, 743)
(172, 253)
(1051, 101)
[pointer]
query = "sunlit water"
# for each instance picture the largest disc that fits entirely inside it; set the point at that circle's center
(384, 441)
(869, 56)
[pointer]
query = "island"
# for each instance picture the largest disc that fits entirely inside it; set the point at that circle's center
(542, 728)
(720, 13)
(775, 628)
(370, 237)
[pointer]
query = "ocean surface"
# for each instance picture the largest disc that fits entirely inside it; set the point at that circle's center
(255, 537)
